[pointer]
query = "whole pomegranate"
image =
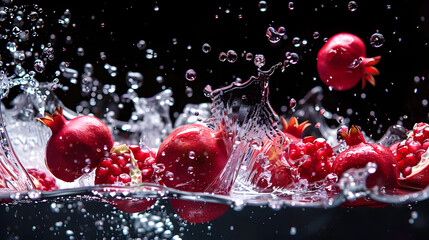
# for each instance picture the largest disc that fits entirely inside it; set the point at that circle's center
(193, 156)
(341, 62)
(358, 155)
(75, 146)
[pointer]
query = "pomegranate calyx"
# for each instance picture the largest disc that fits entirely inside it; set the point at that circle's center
(293, 127)
(55, 120)
(369, 71)
(354, 136)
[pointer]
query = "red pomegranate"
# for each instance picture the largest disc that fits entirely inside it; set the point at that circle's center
(358, 155)
(75, 146)
(341, 62)
(193, 156)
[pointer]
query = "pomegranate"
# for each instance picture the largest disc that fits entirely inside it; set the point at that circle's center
(413, 157)
(293, 129)
(126, 166)
(311, 158)
(42, 181)
(358, 155)
(193, 156)
(75, 145)
(341, 62)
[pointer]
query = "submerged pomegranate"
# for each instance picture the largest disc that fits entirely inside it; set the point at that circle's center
(193, 156)
(358, 155)
(341, 62)
(413, 157)
(75, 146)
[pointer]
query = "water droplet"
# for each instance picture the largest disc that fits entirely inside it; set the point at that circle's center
(11, 46)
(39, 65)
(377, 40)
(206, 48)
(249, 56)
(291, 58)
(231, 56)
(262, 5)
(259, 60)
(296, 41)
(159, 79)
(80, 52)
(134, 80)
(190, 75)
(274, 36)
(189, 92)
(317, 125)
(352, 6)
(292, 231)
(222, 57)
(3, 15)
(141, 45)
(316, 35)
(292, 103)
(291, 6)
(191, 155)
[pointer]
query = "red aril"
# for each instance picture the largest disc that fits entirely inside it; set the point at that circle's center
(412, 157)
(311, 158)
(42, 181)
(126, 166)
(75, 145)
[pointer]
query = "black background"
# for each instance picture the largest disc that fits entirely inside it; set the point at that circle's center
(114, 27)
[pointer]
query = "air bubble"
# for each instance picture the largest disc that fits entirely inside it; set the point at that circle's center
(206, 48)
(274, 36)
(141, 45)
(231, 56)
(291, 5)
(352, 6)
(291, 58)
(292, 103)
(259, 60)
(190, 75)
(316, 35)
(39, 65)
(249, 56)
(189, 92)
(222, 57)
(377, 40)
(134, 80)
(262, 5)
(296, 41)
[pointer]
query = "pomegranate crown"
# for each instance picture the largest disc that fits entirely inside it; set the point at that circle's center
(370, 71)
(354, 135)
(293, 127)
(51, 119)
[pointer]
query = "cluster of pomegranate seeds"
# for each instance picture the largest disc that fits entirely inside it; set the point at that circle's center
(408, 152)
(116, 167)
(312, 156)
(42, 181)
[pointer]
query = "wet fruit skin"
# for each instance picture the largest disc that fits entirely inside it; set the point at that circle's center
(193, 156)
(358, 155)
(341, 62)
(75, 145)
(119, 167)
(412, 158)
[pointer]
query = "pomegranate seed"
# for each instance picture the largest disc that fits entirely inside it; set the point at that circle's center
(407, 171)
(410, 160)
(147, 172)
(115, 170)
(308, 139)
(121, 161)
(418, 154)
(310, 148)
(102, 171)
(414, 146)
(403, 151)
(321, 154)
(125, 178)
